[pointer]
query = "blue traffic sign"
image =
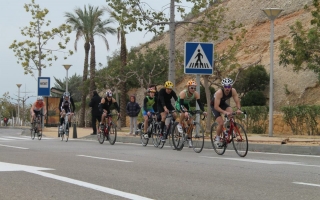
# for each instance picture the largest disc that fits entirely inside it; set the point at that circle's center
(43, 86)
(198, 58)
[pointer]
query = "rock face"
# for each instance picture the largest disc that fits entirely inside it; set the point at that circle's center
(301, 87)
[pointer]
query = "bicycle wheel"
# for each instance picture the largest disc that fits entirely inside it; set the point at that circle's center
(162, 142)
(177, 138)
(197, 137)
(32, 133)
(240, 140)
(39, 134)
(218, 146)
(156, 136)
(101, 136)
(144, 141)
(67, 132)
(170, 137)
(112, 135)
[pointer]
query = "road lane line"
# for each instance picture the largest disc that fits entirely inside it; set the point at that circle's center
(90, 185)
(284, 154)
(309, 184)
(13, 146)
(6, 139)
(270, 162)
(18, 138)
(105, 158)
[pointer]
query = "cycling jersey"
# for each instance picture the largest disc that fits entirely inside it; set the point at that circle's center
(148, 103)
(107, 104)
(67, 105)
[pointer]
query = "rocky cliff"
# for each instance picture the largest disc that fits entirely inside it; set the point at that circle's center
(301, 87)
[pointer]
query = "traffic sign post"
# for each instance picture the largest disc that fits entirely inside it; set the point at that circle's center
(198, 58)
(43, 86)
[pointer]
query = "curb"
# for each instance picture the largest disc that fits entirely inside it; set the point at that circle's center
(254, 147)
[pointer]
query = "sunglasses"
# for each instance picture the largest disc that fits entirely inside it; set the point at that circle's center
(227, 86)
(192, 88)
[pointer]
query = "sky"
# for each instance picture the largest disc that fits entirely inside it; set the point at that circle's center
(13, 17)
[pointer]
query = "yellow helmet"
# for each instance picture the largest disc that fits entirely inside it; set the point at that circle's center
(168, 84)
(191, 82)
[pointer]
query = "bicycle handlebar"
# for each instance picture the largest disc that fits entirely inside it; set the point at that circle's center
(234, 113)
(194, 112)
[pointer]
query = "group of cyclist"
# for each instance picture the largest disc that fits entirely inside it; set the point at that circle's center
(159, 102)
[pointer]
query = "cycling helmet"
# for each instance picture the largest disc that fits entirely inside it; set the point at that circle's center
(151, 90)
(226, 81)
(40, 98)
(168, 84)
(109, 93)
(66, 94)
(191, 82)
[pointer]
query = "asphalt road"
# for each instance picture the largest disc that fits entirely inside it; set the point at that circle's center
(80, 169)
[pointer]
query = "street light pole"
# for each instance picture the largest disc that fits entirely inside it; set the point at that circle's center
(18, 120)
(272, 14)
(67, 68)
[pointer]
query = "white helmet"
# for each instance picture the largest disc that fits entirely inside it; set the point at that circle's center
(226, 81)
(40, 98)
(66, 94)
(109, 93)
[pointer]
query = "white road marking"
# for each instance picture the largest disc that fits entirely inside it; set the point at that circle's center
(13, 146)
(270, 162)
(105, 158)
(283, 154)
(6, 139)
(35, 170)
(18, 138)
(309, 184)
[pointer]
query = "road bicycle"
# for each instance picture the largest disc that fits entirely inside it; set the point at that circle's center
(36, 127)
(64, 128)
(234, 133)
(159, 134)
(109, 131)
(194, 129)
(153, 125)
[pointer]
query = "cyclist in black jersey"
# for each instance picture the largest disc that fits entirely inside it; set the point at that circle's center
(164, 104)
(218, 104)
(105, 105)
(66, 105)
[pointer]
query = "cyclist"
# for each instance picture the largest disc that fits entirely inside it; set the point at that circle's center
(36, 108)
(147, 108)
(66, 102)
(218, 104)
(182, 105)
(164, 104)
(105, 105)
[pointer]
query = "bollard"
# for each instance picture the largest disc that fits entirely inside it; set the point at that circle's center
(75, 130)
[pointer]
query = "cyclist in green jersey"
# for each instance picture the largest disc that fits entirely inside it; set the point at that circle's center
(182, 105)
(147, 108)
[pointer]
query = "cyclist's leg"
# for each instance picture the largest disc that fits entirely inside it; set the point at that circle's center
(145, 124)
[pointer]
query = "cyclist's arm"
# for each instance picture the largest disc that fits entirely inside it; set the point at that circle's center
(44, 109)
(197, 96)
(161, 98)
(145, 103)
(32, 108)
(72, 105)
(236, 98)
(116, 105)
(174, 95)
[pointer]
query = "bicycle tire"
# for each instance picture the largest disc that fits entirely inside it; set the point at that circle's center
(112, 135)
(170, 136)
(32, 133)
(101, 136)
(240, 140)
(219, 150)
(39, 135)
(67, 132)
(156, 136)
(144, 141)
(197, 137)
(177, 138)
(161, 144)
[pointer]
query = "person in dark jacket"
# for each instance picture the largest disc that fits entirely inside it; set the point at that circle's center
(133, 110)
(95, 113)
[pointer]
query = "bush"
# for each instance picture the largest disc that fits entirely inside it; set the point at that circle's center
(254, 98)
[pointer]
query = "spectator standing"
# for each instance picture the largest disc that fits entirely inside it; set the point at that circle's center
(95, 113)
(133, 110)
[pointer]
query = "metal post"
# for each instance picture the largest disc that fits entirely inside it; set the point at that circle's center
(271, 82)
(172, 27)
(198, 90)
(18, 118)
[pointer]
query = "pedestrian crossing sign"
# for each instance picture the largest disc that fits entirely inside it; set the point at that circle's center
(198, 58)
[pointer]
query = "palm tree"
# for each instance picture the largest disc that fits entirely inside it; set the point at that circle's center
(99, 28)
(80, 24)
(87, 24)
(121, 34)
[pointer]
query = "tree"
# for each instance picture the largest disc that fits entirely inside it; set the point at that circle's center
(74, 86)
(302, 51)
(253, 98)
(87, 23)
(253, 78)
(32, 52)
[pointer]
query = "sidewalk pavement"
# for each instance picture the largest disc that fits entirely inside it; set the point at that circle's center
(288, 144)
